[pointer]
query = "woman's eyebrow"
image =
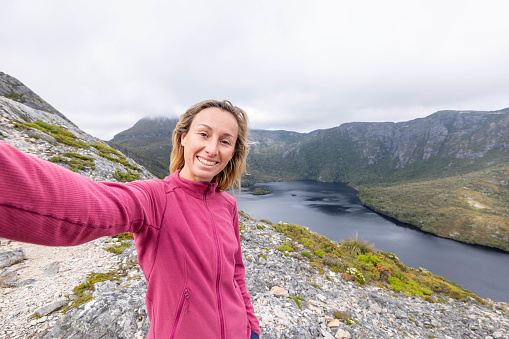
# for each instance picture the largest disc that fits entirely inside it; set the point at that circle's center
(226, 134)
(205, 125)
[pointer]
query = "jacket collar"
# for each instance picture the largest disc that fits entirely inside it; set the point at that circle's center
(197, 189)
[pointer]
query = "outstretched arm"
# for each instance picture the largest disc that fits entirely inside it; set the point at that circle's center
(46, 204)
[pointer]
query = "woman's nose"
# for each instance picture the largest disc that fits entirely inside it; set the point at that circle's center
(211, 147)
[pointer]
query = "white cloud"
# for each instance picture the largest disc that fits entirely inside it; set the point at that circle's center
(295, 65)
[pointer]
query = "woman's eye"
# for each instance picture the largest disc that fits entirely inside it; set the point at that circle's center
(226, 142)
(203, 134)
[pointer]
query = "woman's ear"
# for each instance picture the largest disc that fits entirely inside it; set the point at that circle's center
(183, 139)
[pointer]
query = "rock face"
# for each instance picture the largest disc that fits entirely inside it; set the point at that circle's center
(444, 143)
(12, 88)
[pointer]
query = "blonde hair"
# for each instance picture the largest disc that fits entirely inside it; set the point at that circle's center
(233, 171)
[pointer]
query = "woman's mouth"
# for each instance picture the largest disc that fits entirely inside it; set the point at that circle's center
(206, 162)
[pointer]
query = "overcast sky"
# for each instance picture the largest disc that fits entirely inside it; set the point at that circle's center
(295, 65)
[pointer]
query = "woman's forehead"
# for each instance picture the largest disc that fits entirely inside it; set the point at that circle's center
(216, 119)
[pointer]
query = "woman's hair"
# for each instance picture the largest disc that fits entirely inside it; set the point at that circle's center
(232, 173)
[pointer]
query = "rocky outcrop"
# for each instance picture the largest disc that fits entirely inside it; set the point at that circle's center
(20, 126)
(14, 89)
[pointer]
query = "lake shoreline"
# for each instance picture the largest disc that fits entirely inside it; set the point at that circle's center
(415, 228)
(335, 211)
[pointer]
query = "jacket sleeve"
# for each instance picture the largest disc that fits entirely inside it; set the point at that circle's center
(46, 204)
(239, 276)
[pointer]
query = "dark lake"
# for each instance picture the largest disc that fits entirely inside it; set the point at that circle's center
(333, 210)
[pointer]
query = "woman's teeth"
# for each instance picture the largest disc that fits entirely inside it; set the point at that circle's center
(205, 162)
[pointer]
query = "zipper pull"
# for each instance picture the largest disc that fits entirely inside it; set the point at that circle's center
(186, 295)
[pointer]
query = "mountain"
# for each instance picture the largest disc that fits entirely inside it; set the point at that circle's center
(399, 168)
(149, 142)
(34, 126)
(443, 144)
(14, 89)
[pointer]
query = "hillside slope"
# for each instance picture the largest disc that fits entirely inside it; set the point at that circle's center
(149, 142)
(51, 136)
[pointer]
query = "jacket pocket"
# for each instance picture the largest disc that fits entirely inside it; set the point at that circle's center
(238, 291)
(182, 309)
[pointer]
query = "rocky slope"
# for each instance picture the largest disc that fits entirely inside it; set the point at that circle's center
(14, 89)
(148, 142)
(52, 137)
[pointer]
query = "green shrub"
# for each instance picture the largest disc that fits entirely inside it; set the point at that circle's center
(355, 272)
(297, 300)
(408, 286)
(371, 260)
(75, 162)
(16, 97)
(307, 243)
(319, 253)
(355, 247)
(285, 247)
(305, 254)
(112, 155)
(126, 176)
(60, 134)
(118, 249)
(124, 236)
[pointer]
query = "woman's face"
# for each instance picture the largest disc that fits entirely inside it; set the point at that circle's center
(209, 144)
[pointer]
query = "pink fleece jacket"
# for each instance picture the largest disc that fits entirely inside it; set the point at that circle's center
(186, 235)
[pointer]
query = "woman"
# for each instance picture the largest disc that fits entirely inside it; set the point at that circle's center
(185, 226)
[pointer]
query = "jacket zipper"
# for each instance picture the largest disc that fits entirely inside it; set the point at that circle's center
(218, 258)
(183, 299)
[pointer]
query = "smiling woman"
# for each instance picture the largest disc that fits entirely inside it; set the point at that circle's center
(217, 148)
(185, 227)
(209, 145)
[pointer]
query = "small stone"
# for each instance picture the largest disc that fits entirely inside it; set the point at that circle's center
(45, 310)
(41, 320)
(25, 282)
(342, 334)
(279, 291)
(261, 260)
(8, 278)
(50, 270)
(400, 315)
(333, 324)
(11, 257)
(375, 308)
